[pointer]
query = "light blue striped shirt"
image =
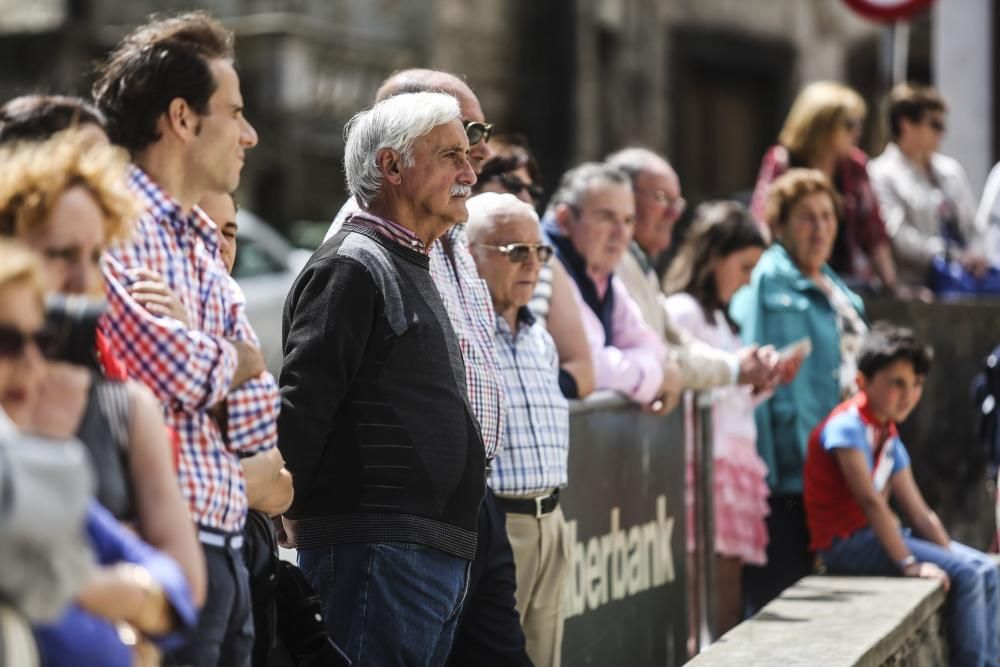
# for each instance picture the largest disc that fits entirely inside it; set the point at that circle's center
(536, 442)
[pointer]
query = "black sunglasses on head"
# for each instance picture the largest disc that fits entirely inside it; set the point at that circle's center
(477, 132)
(13, 342)
(514, 185)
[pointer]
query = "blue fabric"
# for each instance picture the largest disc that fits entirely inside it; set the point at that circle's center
(576, 267)
(779, 307)
(536, 440)
(388, 603)
(848, 431)
(79, 638)
(946, 277)
(973, 630)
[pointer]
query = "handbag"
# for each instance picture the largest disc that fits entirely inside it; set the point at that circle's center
(945, 277)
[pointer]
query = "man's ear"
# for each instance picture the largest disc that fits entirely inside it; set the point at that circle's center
(390, 165)
(179, 119)
(861, 380)
(564, 216)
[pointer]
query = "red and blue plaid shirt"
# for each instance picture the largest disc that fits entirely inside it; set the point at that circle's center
(191, 369)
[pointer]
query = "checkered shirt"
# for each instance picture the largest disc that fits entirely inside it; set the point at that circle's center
(470, 308)
(536, 447)
(190, 370)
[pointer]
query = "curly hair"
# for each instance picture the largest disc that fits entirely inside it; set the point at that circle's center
(788, 189)
(165, 59)
(19, 265)
(720, 228)
(36, 174)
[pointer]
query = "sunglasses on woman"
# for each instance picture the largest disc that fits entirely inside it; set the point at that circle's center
(515, 185)
(13, 342)
(520, 252)
(477, 132)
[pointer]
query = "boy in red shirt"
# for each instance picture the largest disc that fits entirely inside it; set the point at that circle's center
(856, 460)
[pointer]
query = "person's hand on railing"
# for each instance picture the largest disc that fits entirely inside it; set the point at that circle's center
(670, 391)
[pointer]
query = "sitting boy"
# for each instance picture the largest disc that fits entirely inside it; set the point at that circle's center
(856, 460)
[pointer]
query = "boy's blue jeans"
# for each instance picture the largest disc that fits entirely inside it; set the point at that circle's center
(973, 630)
(388, 603)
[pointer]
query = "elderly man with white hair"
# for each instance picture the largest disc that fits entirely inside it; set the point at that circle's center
(506, 243)
(376, 426)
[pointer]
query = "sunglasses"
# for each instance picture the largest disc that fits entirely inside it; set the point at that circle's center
(515, 185)
(13, 342)
(477, 132)
(675, 207)
(520, 252)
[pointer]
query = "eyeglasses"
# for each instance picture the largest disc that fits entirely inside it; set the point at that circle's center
(520, 252)
(13, 341)
(477, 132)
(674, 206)
(515, 185)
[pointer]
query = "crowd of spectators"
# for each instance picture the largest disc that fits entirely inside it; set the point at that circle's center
(415, 446)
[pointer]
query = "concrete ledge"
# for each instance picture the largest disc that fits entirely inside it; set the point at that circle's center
(840, 621)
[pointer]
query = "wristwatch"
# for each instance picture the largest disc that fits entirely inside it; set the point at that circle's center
(904, 564)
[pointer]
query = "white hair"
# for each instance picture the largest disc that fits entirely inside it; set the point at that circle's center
(394, 123)
(487, 208)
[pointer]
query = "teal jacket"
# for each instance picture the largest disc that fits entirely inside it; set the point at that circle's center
(778, 307)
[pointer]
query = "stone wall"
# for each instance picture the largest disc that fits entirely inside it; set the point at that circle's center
(841, 622)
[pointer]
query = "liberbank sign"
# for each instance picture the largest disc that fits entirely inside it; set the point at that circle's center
(625, 601)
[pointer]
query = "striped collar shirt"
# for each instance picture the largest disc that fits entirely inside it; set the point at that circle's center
(191, 369)
(390, 230)
(470, 308)
(536, 447)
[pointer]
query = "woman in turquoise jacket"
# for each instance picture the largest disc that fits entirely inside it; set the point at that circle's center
(794, 295)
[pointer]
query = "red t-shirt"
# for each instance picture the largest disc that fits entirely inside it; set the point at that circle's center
(831, 509)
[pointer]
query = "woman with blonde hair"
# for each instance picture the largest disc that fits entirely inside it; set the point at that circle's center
(66, 199)
(132, 592)
(821, 132)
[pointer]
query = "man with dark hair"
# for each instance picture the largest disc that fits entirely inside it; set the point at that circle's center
(926, 200)
(856, 462)
(489, 630)
(38, 117)
(171, 96)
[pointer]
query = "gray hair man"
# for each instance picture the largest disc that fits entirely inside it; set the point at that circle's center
(489, 630)
(375, 424)
(658, 205)
(589, 221)
(506, 242)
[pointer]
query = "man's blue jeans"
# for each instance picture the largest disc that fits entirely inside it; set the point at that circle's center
(973, 631)
(389, 603)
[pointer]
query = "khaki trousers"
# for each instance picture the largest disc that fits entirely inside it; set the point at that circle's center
(542, 558)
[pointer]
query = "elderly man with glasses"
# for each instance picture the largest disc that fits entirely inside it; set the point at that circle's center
(506, 243)
(658, 206)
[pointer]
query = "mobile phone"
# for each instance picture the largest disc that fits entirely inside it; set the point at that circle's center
(802, 347)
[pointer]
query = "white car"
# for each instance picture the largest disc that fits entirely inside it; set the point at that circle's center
(266, 266)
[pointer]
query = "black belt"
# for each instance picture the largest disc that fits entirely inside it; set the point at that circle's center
(536, 507)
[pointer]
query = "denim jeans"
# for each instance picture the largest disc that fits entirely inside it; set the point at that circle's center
(973, 630)
(388, 603)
